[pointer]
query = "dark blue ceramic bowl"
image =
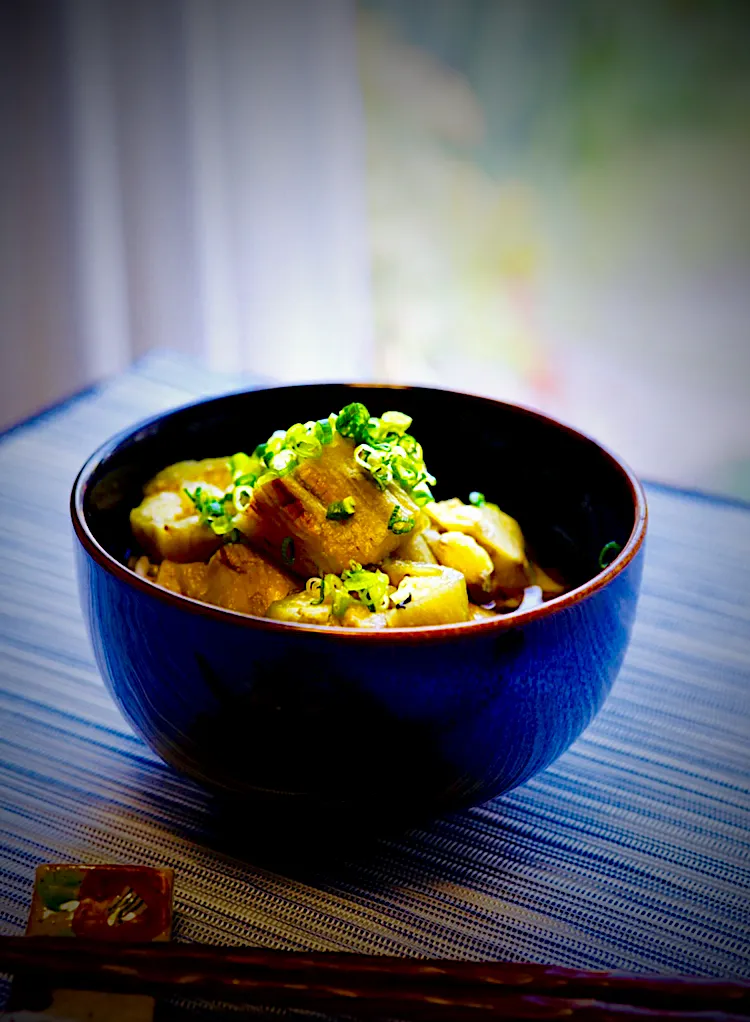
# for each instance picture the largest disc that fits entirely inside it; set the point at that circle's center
(407, 722)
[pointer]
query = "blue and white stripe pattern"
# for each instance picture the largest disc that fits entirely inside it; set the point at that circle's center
(632, 851)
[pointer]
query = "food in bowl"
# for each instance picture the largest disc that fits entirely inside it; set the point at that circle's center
(333, 522)
(347, 724)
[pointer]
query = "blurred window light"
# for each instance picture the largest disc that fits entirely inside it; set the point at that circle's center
(206, 162)
(559, 215)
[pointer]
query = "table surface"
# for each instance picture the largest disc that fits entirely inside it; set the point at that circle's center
(631, 851)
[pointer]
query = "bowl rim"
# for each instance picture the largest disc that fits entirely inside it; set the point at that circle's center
(338, 633)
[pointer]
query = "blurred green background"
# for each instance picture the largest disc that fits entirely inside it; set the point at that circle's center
(559, 214)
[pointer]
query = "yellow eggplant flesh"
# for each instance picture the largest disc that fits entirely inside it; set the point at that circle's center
(235, 578)
(462, 552)
(186, 579)
(212, 471)
(415, 547)
(497, 532)
(358, 616)
(430, 595)
(240, 579)
(167, 528)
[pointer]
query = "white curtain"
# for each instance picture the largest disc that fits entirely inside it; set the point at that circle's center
(185, 174)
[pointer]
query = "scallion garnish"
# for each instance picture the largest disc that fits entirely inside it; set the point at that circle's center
(608, 554)
(329, 588)
(477, 499)
(384, 450)
(242, 466)
(248, 479)
(339, 510)
(324, 431)
(370, 586)
(352, 421)
(340, 602)
(217, 512)
(400, 522)
(396, 422)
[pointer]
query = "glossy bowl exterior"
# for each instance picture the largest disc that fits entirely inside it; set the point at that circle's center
(407, 722)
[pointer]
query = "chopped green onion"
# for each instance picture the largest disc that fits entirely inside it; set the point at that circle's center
(216, 512)
(324, 431)
(352, 421)
(242, 495)
(477, 499)
(376, 462)
(339, 510)
(241, 464)
(405, 469)
(383, 449)
(248, 479)
(329, 588)
(302, 441)
(400, 522)
(282, 461)
(370, 586)
(340, 602)
(287, 550)
(421, 494)
(274, 445)
(222, 526)
(266, 477)
(608, 554)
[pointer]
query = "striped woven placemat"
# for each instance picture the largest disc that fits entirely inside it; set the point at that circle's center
(632, 851)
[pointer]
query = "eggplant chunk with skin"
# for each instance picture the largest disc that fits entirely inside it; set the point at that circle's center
(167, 526)
(426, 594)
(286, 518)
(236, 578)
(498, 533)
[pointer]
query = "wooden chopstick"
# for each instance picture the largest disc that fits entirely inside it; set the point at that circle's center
(370, 985)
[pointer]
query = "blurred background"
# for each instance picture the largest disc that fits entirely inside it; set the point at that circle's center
(541, 202)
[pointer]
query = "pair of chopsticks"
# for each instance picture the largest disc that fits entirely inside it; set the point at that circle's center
(370, 985)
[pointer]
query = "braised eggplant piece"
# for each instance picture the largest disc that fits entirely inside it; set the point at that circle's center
(166, 525)
(236, 578)
(288, 517)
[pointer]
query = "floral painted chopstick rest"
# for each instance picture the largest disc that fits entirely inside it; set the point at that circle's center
(112, 903)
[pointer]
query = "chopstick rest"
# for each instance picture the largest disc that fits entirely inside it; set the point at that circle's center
(99, 902)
